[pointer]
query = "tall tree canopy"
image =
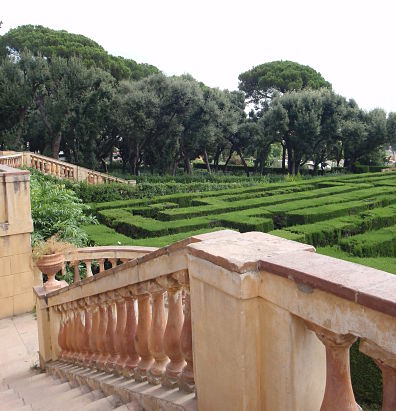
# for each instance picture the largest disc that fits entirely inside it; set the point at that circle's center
(261, 82)
(49, 43)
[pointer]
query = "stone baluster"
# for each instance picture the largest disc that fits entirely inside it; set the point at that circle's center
(94, 336)
(387, 363)
(102, 331)
(76, 266)
(86, 329)
(113, 262)
(128, 339)
(110, 344)
(77, 330)
(88, 265)
(101, 262)
(62, 331)
(173, 331)
(120, 353)
(186, 381)
(338, 392)
(156, 338)
(142, 335)
(73, 331)
(68, 330)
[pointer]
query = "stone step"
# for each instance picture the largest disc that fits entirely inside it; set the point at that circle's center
(131, 406)
(59, 401)
(107, 403)
(79, 402)
(24, 408)
(31, 395)
(11, 404)
(35, 380)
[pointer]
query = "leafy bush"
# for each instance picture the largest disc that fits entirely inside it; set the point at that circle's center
(57, 209)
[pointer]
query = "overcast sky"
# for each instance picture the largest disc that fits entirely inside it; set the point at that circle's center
(351, 43)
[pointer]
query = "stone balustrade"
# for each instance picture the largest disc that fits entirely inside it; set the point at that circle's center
(58, 168)
(85, 262)
(250, 321)
(12, 160)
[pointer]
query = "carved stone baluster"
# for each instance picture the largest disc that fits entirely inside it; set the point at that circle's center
(113, 262)
(110, 358)
(67, 332)
(85, 331)
(102, 331)
(61, 334)
(74, 331)
(142, 336)
(186, 381)
(128, 358)
(173, 331)
(101, 262)
(94, 336)
(156, 338)
(387, 363)
(338, 392)
(114, 361)
(89, 267)
(77, 277)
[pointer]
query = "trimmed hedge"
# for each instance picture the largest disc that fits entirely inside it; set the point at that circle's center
(372, 244)
(102, 235)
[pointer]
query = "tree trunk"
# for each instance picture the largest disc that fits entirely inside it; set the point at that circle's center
(216, 159)
(206, 159)
(187, 165)
(283, 158)
(55, 144)
(245, 166)
(228, 159)
(21, 119)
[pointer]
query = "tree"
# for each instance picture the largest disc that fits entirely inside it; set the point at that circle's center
(261, 83)
(49, 43)
(363, 133)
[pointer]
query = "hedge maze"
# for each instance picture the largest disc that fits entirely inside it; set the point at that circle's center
(355, 212)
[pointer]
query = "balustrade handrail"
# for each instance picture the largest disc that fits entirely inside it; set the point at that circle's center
(61, 168)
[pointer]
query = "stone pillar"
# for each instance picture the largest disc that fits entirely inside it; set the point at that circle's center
(338, 392)
(17, 275)
(387, 362)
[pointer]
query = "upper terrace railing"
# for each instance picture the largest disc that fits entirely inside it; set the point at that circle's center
(252, 322)
(58, 168)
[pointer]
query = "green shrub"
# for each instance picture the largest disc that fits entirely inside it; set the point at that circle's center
(57, 210)
(372, 244)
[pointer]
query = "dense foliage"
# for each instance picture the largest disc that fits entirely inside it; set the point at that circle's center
(57, 210)
(42, 41)
(64, 92)
(261, 82)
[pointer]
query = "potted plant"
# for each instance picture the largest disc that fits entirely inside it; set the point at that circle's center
(49, 257)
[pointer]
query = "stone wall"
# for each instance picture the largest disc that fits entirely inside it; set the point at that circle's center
(17, 276)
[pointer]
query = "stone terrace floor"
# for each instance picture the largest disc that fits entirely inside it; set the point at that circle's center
(18, 345)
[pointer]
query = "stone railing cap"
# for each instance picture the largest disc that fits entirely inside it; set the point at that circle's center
(364, 285)
(242, 252)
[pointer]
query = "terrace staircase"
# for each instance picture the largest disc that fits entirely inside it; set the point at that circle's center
(57, 168)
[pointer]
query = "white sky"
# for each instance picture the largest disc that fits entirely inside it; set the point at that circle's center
(351, 43)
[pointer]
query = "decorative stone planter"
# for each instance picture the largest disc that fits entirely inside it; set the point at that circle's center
(50, 265)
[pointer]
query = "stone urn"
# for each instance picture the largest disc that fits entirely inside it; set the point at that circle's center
(50, 264)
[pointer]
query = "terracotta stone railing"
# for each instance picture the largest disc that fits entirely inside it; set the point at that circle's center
(58, 168)
(252, 322)
(12, 160)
